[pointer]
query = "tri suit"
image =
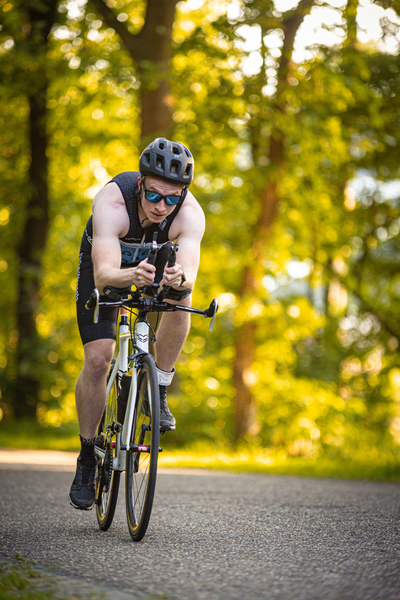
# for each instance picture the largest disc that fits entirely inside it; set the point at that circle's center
(135, 247)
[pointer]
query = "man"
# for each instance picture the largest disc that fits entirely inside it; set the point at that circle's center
(126, 213)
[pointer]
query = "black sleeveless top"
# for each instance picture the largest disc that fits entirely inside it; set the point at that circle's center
(135, 245)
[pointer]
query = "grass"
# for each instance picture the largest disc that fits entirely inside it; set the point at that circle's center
(30, 435)
(20, 580)
(372, 464)
(251, 461)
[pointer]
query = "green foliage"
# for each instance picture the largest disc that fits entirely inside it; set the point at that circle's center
(21, 579)
(325, 376)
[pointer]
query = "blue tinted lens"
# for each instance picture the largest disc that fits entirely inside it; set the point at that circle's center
(153, 196)
(172, 200)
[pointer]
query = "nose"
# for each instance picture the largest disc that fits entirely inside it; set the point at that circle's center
(161, 205)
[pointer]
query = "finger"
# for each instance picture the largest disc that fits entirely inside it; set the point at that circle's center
(176, 270)
(147, 266)
(145, 277)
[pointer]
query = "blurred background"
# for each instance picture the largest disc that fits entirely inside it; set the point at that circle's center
(292, 112)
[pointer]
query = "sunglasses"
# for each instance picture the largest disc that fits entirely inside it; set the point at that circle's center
(155, 197)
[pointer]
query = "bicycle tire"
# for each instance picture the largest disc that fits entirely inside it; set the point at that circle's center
(141, 467)
(105, 510)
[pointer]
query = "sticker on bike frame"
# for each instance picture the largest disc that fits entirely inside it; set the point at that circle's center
(143, 449)
(142, 337)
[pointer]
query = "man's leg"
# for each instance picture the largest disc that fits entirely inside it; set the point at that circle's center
(90, 393)
(171, 337)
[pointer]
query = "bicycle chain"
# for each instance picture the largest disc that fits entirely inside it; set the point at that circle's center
(107, 467)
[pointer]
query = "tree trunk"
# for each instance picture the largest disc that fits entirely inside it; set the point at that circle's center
(32, 242)
(30, 251)
(245, 345)
(150, 50)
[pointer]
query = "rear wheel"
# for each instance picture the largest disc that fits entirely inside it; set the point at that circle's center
(141, 465)
(107, 480)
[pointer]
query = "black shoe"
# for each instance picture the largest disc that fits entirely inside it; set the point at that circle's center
(100, 442)
(167, 420)
(81, 495)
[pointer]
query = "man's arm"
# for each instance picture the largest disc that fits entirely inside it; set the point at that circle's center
(110, 222)
(190, 233)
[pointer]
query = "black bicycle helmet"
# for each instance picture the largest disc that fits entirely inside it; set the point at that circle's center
(167, 160)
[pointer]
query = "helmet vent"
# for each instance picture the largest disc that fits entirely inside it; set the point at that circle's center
(175, 166)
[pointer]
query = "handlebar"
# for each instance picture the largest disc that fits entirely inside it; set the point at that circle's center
(136, 300)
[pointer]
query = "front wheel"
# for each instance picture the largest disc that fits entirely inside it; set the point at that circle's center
(107, 480)
(141, 464)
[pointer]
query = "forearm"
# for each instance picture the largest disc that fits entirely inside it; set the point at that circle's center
(119, 278)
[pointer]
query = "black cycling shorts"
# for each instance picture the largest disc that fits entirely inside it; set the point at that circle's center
(106, 328)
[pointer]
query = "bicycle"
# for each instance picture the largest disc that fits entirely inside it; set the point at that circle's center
(128, 435)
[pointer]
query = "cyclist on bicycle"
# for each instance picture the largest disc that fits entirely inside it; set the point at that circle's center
(126, 213)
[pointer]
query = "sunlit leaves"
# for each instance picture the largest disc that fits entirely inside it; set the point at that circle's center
(326, 284)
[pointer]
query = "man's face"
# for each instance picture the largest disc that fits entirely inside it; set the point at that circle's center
(156, 212)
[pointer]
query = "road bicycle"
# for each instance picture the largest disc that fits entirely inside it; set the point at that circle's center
(129, 431)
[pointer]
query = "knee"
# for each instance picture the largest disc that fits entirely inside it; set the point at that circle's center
(97, 362)
(179, 319)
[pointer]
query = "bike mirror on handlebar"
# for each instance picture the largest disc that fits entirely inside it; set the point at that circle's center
(211, 312)
(93, 302)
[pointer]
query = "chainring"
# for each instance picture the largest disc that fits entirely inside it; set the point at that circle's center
(104, 473)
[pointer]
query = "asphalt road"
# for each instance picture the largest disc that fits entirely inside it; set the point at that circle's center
(211, 536)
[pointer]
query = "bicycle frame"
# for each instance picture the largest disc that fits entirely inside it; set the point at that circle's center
(140, 334)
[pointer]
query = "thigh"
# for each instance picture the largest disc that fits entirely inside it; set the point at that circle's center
(106, 328)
